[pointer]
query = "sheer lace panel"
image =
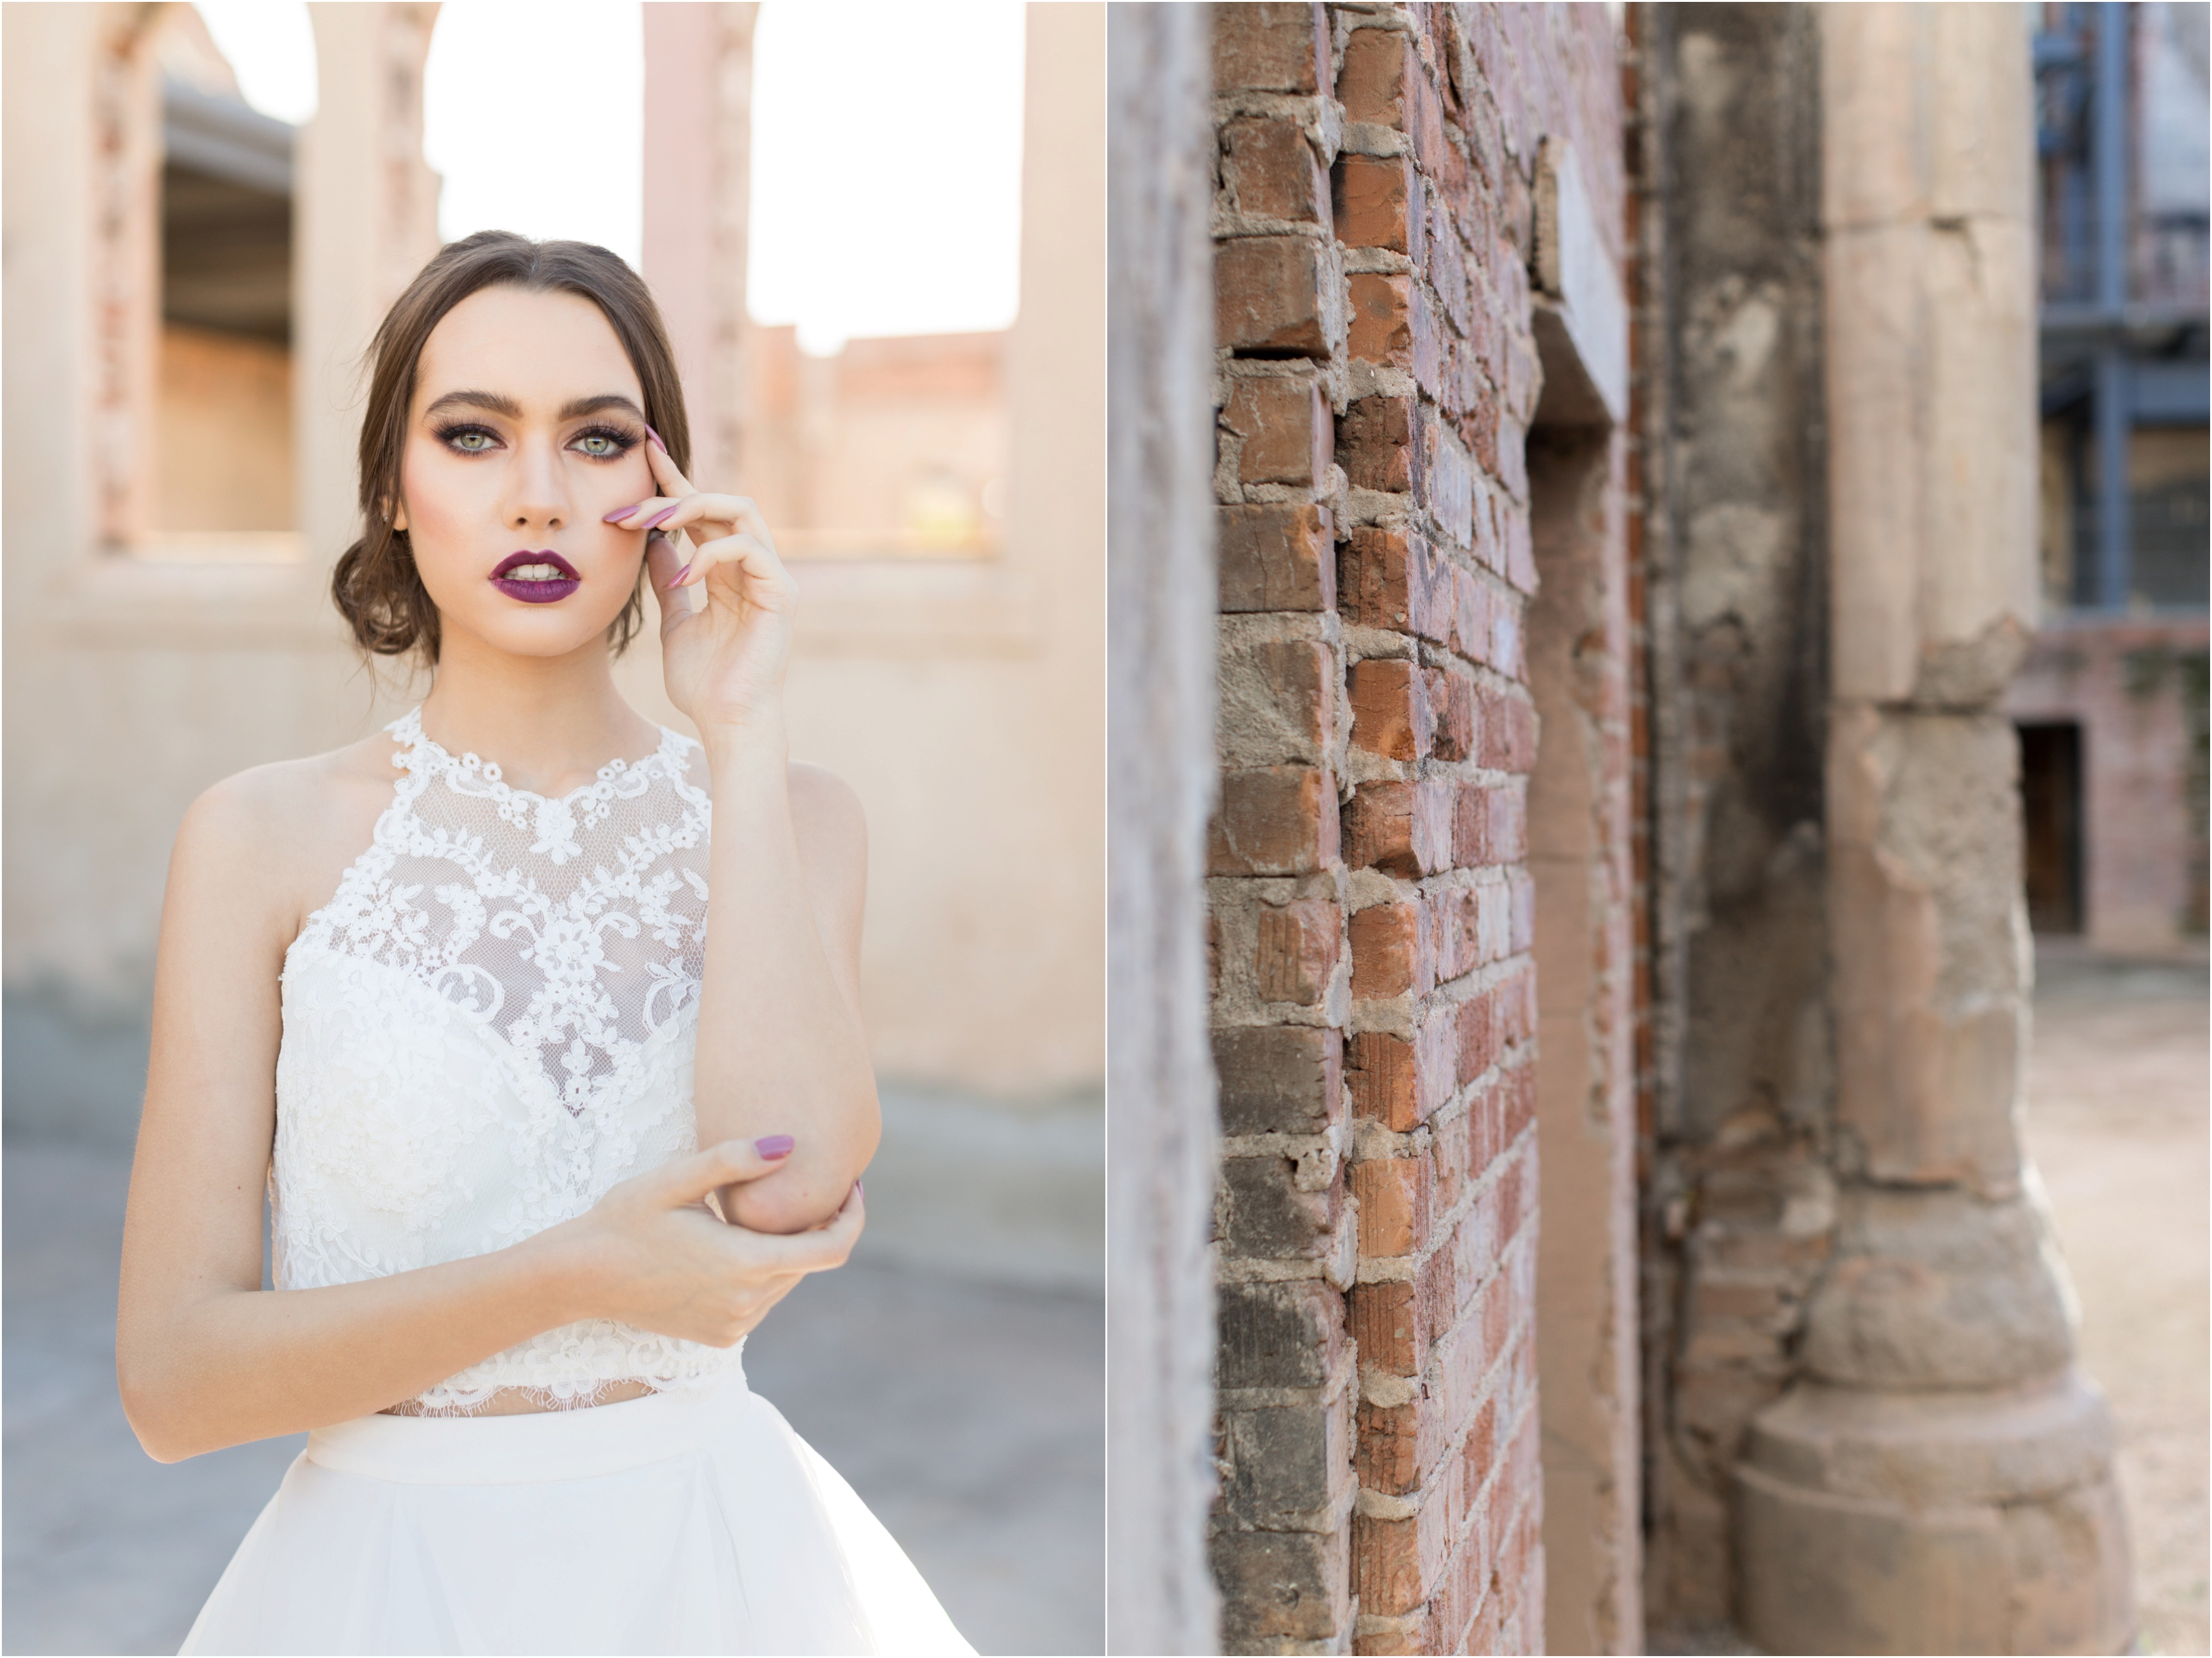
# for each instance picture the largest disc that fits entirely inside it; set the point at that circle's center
(490, 1024)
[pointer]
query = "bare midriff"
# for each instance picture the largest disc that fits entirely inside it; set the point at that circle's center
(521, 1401)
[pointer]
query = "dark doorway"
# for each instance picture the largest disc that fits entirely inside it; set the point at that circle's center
(2050, 802)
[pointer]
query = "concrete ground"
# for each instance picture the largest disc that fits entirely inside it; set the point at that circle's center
(968, 1413)
(2117, 1090)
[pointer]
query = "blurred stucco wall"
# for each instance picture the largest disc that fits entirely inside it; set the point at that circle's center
(963, 701)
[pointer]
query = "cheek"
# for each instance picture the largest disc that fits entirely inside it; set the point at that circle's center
(443, 498)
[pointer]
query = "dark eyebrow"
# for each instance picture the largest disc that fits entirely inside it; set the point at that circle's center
(499, 403)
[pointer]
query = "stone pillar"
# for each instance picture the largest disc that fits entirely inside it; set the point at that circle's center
(698, 142)
(1160, 585)
(365, 220)
(1939, 1479)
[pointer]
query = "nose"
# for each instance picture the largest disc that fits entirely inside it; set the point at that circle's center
(538, 496)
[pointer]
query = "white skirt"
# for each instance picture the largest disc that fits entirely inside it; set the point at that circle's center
(678, 1523)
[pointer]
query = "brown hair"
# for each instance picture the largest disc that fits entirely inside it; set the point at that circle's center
(376, 586)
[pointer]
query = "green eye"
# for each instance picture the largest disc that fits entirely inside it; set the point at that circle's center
(470, 442)
(598, 444)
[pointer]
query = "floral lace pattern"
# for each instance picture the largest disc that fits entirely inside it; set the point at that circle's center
(490, 1023)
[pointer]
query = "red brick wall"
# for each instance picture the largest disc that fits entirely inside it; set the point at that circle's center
(1372, 911)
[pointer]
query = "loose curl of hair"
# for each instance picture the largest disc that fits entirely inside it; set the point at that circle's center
(376, 586)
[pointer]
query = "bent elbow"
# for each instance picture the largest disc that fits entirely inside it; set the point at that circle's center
(146, 1407)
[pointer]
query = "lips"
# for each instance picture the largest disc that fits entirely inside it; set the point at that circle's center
(536, 578)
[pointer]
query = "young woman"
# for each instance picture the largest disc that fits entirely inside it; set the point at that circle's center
(470, 1022)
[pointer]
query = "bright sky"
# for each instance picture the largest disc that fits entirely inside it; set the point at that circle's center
(887, 173)
(886, 187)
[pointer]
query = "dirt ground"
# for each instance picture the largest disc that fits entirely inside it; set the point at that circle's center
(2117, 1122)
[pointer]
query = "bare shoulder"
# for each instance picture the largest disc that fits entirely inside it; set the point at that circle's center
(293, 824)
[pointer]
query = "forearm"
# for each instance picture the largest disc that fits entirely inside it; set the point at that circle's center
(233, 1365)
(780, 1050)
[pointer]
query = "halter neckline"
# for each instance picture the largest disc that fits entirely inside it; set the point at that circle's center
(416, 745)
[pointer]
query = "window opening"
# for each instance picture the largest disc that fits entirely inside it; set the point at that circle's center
(2050, 808)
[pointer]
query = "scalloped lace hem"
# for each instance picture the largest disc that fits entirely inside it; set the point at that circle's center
(550, 1396)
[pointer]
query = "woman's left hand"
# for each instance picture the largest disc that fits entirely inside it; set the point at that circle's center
(724, 662)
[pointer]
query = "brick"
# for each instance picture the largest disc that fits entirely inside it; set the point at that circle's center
(1279, 1586)
(1271, 172)
(1278, 1079)
(1288, 433)
(1489, 826)
(1277, 701)
(1392, 326)
(1381, 1071)
(1390, 712)
(1393, 579)
(1297, 948)
(1391, 954)
(1477, 1034)
(1274, 820)
(1270, 48)
(1278, 556)
(1442, 482)
(1452, 700)
(1391, 1575)
(1386, 1322)
(1394, 1195)
(1382, 328)
(1263, 1212)
(1401, 828)
(1389, 1455)
(1508, 725)
(1377, 202)
(1370, 82)
(1455, 924)
(1374, 441)
(1267, 297)
(1283, 1462)
(1278, 1335)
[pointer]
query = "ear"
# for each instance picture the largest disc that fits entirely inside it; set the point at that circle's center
(399, 517)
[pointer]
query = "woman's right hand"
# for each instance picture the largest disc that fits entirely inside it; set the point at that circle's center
(651, 1254)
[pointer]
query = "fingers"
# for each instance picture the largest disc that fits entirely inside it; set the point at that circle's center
(748, 554)
(690, 510)
(820, 1250)
(672, 482)
(691, 1178)
(663, 564)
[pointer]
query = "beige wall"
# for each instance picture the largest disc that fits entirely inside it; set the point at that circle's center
(224, 437)
(963, 700)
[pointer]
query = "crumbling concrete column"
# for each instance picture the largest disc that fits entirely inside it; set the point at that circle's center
(1940, 1478)
(366, 220)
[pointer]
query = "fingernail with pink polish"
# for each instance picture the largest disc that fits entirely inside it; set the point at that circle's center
(658, 441)
(620, 514)
(662, 516)
(775, 1146)
(676, 579)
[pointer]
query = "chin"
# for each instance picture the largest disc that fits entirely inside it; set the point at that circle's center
(547, 631)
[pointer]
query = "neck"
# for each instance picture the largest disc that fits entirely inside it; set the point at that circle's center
(549, 723)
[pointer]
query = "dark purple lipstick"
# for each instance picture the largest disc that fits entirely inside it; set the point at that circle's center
(536, 578)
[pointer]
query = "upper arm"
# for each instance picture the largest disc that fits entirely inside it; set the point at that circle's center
(832, 832)
(193, 1226)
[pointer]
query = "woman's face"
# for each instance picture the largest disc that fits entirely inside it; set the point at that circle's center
(527, 429)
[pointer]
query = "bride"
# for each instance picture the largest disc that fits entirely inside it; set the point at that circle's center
(538, 1023)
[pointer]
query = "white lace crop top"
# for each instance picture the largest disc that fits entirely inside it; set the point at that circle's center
(490, 1025)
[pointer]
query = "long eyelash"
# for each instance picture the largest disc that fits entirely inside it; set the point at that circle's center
(461, 429)
(627, 440)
